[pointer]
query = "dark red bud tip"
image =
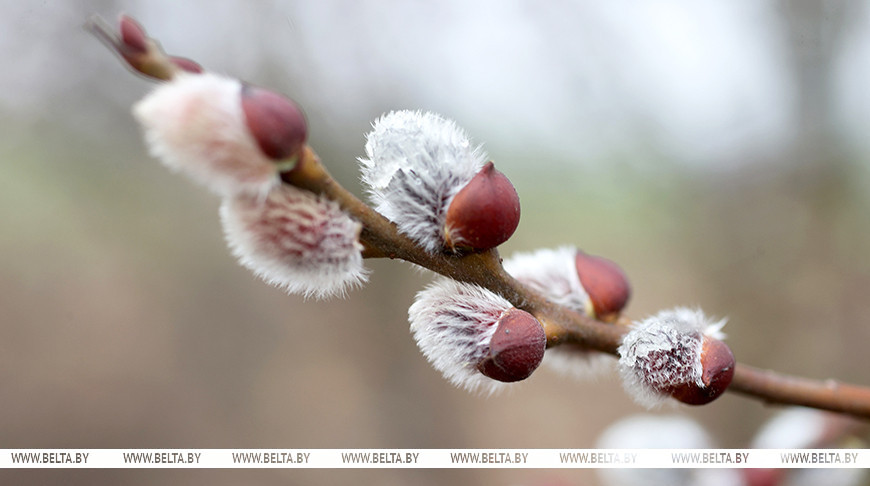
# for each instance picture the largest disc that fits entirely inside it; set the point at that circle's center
(516, 349)
(276, 123)
(187, 65)
(605, 283)
(718, 363)
(484, 213)
(133, 36)
(140, 52)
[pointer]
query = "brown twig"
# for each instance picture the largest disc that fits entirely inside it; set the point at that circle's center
(777, 388)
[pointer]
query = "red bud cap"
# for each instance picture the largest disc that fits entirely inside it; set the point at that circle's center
(516, 348)
(186, 64)
(605, 283)
(133, 36)
(484, 213)
(717, 362)
(276, 123)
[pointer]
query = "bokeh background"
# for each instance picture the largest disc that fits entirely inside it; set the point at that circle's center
(717, 150)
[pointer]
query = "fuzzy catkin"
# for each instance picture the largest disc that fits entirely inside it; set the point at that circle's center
(416, 163)
(195, 125)
(664, 351)
(295, 240)
(453, 324)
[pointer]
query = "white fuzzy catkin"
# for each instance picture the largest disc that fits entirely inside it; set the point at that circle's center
(553, 273)
(663, 351)
(195, 125)
(295, 240)
(416, 164)
(453, 324)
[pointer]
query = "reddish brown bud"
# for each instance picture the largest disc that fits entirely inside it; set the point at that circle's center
(186, 64)
(484, 213)
(605, 283)
(133, 36)
(516, 348)
(276, 123)
(717, 362)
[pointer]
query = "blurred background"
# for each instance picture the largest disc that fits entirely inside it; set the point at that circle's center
(716, 150)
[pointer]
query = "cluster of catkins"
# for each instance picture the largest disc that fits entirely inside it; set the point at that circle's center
(422, 173)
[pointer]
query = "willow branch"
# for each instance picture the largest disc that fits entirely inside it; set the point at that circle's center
(381, 239)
